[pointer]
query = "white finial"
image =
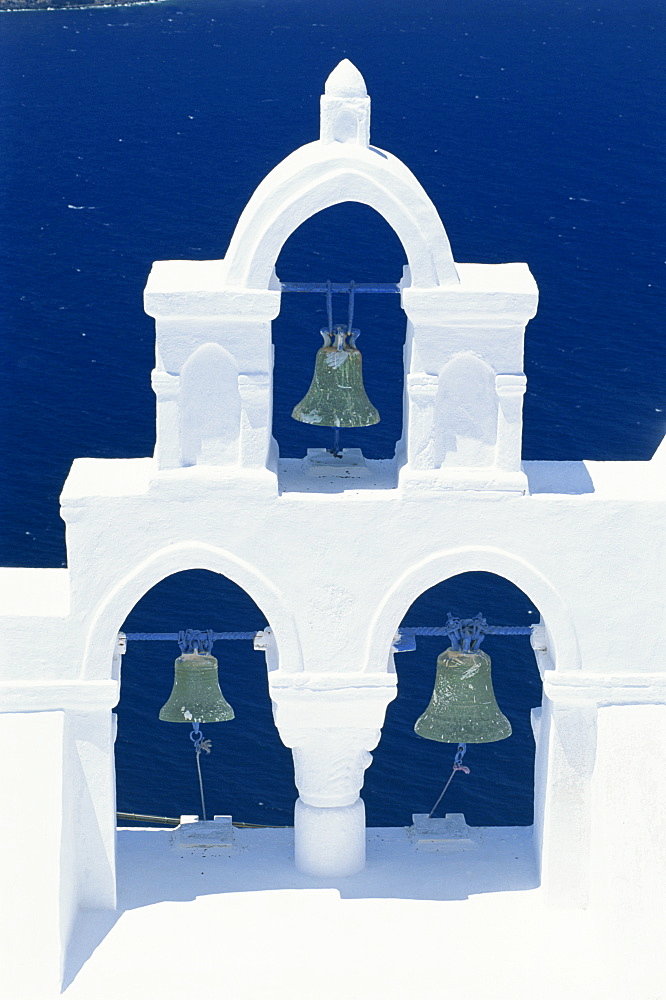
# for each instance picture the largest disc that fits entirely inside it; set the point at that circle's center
(345, 107)
(345, 81)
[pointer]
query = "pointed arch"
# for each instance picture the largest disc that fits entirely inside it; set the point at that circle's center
(320, 175)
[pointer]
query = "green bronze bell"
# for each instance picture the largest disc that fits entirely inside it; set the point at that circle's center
(463, 708)
(196, 694)
(337, 397)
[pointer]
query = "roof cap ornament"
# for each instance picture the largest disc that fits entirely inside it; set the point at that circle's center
(345, 107)
(345, 81)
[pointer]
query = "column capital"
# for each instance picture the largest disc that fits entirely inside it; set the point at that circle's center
(329, 765)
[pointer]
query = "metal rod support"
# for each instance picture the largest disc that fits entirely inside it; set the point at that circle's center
(405, 630)
(340, 287)
(173, 636)
(489, 630)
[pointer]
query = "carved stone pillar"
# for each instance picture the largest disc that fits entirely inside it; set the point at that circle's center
(330, 721)
(329, 818)
(329, 767)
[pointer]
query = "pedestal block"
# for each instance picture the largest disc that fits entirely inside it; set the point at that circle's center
(329, 841)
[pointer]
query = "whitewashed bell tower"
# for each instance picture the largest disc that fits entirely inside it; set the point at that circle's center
(465, 323)
(577, 537)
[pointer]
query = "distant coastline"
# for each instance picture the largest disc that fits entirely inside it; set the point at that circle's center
(68, 4)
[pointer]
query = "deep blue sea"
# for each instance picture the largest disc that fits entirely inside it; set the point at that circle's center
(132, 134)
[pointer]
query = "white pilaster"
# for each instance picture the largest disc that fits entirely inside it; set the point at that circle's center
(510, 389)
(167, 438)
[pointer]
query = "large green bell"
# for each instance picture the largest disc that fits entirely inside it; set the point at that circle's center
(337, 397)
(463, 708)
(196, 694)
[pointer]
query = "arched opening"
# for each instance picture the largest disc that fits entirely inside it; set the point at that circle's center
(347, 242)
(249, 773)
(409, 772)
(293, 192)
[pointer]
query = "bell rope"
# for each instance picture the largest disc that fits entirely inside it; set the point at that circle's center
(457, 766)
(200, 744)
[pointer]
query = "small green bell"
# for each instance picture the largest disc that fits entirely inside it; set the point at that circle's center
(337, 397)
(196, 694)
(463, 708)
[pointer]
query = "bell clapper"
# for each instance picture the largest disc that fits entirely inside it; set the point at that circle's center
(200, 744)
(457, 766)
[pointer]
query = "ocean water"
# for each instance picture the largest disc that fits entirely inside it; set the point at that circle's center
(132, 134)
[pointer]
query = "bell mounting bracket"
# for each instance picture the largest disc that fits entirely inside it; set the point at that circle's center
(194, 641)
(466, 634)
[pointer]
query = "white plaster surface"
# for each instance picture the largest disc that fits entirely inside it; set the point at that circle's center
(37, 860)
(628, 867)
(244, 925)
(34, 592)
